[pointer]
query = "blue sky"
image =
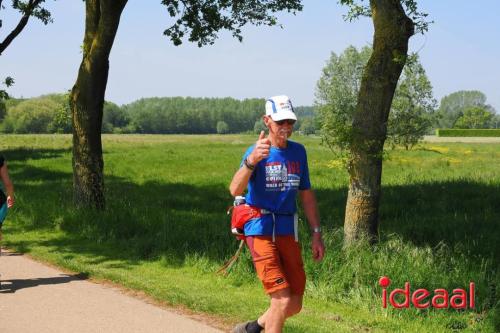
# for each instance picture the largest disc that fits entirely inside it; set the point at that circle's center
(460, 52)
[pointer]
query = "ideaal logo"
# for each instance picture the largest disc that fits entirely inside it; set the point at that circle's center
(439, 299)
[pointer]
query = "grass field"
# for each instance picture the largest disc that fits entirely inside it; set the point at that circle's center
(165, 230)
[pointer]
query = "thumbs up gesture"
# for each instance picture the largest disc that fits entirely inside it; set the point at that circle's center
(261, 150)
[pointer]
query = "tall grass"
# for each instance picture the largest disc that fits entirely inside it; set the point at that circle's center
(166, 202)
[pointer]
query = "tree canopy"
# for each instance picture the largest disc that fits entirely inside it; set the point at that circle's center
(413, 106)
(37, 115)
(475, 117)
(453, 106)
(337, 94)
(202, 20)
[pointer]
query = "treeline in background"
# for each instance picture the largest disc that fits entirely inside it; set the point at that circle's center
(189, 115)
(165, 115)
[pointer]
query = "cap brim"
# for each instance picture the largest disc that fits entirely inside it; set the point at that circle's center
(282, 115)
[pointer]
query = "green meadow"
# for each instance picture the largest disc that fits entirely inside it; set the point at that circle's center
(165, 231)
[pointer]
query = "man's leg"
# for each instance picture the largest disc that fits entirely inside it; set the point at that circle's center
(284, 304)
(286, 299)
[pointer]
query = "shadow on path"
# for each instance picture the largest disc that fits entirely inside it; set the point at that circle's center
(10, 254)
(11, 286)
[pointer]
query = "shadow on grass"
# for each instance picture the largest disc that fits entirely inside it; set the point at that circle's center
(11, 286)
(148, 221)
(174, 221)
(457, 213)
(23, 154)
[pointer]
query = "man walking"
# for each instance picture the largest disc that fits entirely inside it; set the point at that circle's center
(275, 169)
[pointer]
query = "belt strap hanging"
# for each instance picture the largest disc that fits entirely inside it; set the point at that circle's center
(224, 270)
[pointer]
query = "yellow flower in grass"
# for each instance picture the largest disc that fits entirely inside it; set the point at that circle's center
(453, 160)
(439, 149)
(336, 164)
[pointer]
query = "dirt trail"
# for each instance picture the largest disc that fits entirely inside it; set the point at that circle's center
(38, 298)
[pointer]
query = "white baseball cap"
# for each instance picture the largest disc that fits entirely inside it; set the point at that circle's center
(280, 108)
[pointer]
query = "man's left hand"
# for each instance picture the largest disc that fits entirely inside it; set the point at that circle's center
(318, 248)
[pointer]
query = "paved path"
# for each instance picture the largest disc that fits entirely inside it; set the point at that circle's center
(38, 298)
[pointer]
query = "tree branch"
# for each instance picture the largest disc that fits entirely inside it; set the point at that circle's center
(20, 26)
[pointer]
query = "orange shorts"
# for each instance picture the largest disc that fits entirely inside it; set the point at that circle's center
(278, 264)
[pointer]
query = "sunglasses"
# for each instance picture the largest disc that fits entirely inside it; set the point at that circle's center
(282, 122)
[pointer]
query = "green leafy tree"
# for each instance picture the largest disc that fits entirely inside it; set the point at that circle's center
(336, 96)
(44, 114)
(474, 117)
(495, 121)
(61, 122)
(222, 127)
(413, 106)
(31, 116)
(394, 22)
(199, 20)
(453, 106)
(113, 118)
(307, 126)
(337, 92)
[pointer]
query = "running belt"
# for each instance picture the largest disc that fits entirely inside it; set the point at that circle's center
(295, 223)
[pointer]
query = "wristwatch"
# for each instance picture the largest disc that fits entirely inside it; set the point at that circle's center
(316, 230)
(248, 164)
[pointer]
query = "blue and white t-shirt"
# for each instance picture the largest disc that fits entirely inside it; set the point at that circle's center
(274, 185)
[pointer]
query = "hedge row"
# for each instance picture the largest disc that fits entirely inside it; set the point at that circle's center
(468, 132)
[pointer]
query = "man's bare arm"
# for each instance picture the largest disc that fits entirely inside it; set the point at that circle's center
(310, 206)
(9, 187)
(242, 176)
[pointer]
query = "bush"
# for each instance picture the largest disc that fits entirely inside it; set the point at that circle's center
(31, 116)
(468, 132)
(44, 114)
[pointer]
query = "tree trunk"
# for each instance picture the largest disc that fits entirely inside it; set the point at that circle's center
(390, 46)
(87, 100)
